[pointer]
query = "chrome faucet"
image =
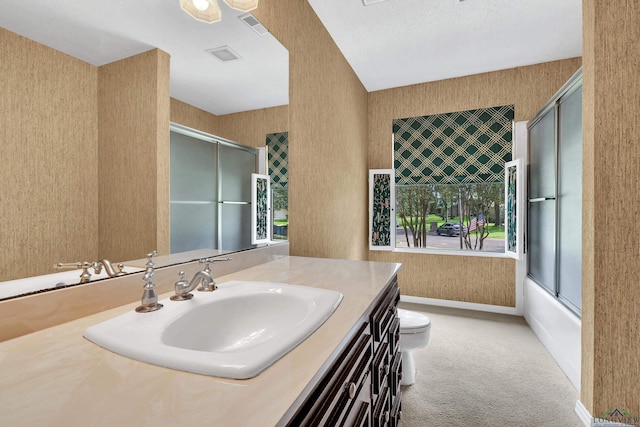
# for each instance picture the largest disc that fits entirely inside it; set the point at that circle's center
(202, 277)
(108, 268)
(149, 300)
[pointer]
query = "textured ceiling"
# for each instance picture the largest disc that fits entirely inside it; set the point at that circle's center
(389, 44)
(401, 42)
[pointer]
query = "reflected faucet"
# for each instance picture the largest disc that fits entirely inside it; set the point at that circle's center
(97, 266)
(108, 268)
(85, 276)
(203, 277)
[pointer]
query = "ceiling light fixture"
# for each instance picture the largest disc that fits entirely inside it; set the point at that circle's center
(209, 11)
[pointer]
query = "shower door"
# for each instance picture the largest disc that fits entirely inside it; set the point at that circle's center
(210, 192)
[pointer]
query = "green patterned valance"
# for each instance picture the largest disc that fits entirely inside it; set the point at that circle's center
(277, 146)
(462, 147)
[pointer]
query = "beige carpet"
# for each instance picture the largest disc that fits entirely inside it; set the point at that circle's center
(484, 369)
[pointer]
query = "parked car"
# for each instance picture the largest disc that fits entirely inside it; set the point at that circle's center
(450, 229)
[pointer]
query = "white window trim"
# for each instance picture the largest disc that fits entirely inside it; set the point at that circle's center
(459, 252)
(254, 209)
(447, 252)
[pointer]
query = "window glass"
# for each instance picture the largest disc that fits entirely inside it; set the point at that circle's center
(450, 216)
(570, 199)
(542, 157)
(449, 172)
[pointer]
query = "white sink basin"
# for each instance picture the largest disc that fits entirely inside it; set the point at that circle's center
(237, 331)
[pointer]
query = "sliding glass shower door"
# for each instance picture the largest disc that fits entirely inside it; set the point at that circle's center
(194, 194)
(236, 167)
(210, 192)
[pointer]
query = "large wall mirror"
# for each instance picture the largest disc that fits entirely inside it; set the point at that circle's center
(251, 73)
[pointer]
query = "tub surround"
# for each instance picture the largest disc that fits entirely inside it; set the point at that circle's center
(55, 376)
(31, 313)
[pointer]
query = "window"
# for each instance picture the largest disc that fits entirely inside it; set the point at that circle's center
(278, 147)
(449, 176)
(554, 237)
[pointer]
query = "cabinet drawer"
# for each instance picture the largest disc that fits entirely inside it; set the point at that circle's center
(396, 411)
(381, 413)
(355, 388)
(363, 419)
(328, 398)
(380, 368)
(359, 413)
(384, 313)
(394, 336)
(396, 374)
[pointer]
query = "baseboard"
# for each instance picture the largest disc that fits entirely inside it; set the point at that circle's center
(589, 421)
(583, 414)
(461, 305)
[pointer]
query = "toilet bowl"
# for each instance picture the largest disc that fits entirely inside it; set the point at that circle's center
(415, 333)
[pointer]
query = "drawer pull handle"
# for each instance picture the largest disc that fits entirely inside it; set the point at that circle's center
(386, 369)
(351, 387)
(386, 416)
(393, 309)
(399, 415)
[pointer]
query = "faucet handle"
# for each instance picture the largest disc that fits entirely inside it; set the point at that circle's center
(120, 268)
(97, 267)
(150, 259)
(180, 287)
(213, 259)
(85, 276)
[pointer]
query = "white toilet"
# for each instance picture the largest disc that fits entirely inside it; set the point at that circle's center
(415, 333)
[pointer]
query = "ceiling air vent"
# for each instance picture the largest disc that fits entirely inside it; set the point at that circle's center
(254, 24)
(223, 53)
(370, 2)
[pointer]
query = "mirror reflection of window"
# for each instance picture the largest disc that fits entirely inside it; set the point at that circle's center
(278, 147)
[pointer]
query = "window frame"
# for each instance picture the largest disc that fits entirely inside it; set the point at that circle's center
(446, 251)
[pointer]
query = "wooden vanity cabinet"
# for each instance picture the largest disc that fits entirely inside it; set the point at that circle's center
(385, 391)
(361, 388)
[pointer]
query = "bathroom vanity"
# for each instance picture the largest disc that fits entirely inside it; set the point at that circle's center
(362, 386)
(347, 371)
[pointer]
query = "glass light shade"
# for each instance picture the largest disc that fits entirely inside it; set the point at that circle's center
(209, 15)
(242, 5)
(201, 4)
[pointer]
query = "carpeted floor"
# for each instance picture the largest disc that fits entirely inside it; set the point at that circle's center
(483, 369)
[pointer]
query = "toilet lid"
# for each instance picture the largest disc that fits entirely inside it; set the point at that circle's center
(410, 321)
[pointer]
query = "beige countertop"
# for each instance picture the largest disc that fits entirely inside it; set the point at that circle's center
(55, 377)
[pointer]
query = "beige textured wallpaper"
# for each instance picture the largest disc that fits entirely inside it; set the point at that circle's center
(133, 111)
(611, 161)
(247, 128)
(327, 137)
(469, 279)
(49, 152)
(192, 117)
(251, 127)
